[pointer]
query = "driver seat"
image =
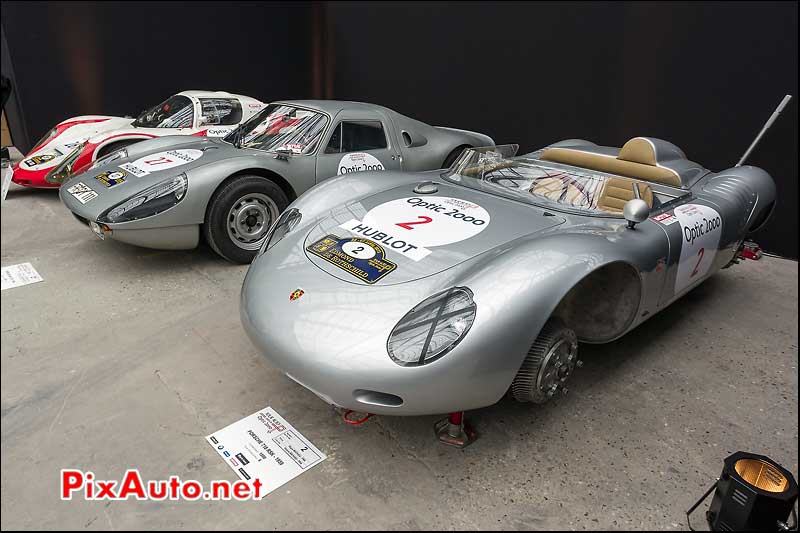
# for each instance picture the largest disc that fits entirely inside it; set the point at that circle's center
(617, 191)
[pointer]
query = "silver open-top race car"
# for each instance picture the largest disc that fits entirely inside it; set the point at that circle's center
(165, 192)
(438, 292)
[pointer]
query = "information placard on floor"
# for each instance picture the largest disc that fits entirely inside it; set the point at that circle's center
(19, 275)
(264, 446)
(7, 174)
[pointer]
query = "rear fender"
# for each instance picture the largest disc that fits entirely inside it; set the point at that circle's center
(472, 138)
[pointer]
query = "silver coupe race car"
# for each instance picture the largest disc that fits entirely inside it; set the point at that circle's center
(439, 292)
(165, 192)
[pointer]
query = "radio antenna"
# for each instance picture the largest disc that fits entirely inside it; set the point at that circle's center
(767, 126)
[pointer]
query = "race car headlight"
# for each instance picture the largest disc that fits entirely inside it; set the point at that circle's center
(106, 159)
(432, 328)
(285, 223)
(151, 201)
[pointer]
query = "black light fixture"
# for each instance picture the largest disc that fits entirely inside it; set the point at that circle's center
(754, 493)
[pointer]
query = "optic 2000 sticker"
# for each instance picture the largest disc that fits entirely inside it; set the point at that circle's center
(701, 229)
(358, 162)
(409, 226)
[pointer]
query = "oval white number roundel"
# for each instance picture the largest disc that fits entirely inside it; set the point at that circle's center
(430, 220)
(358, 162)
(701, 229)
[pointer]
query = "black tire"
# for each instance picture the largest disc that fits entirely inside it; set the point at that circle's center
(536, 384)
(451, 158)
(113, 147)
(229, 213)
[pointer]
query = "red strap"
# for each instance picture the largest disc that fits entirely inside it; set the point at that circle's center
(356, 422)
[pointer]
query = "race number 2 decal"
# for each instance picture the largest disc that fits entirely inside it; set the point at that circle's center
(701, 229)
(411, 226)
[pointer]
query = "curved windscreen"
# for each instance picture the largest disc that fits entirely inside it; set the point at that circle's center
(174, 112)
(497, 170)
(280, 127)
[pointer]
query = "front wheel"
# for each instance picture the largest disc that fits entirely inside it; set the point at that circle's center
(550, 361)
(239, 215)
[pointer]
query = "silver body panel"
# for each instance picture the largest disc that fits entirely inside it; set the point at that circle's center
(220, 161)
(333, 340)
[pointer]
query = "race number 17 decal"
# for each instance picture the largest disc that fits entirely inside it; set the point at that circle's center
(161, 161)
(701, 229)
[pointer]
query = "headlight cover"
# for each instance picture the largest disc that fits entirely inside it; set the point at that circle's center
(106, 159)
(47, 136)
(285, 223)
(61, 172)
(432, 328)
(151, 201)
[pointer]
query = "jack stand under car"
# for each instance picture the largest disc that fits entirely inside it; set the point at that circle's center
(747, 250)
(454, 431)
(750, 250)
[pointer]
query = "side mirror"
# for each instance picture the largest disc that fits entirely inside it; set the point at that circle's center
(635, 212)
(283, 153)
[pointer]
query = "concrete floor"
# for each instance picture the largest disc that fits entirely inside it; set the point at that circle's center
(126, 357)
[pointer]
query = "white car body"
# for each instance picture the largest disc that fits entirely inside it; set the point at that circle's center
(79, 141)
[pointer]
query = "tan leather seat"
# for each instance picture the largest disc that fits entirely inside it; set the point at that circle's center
(617, 191)
(553, 188)
(636, 159)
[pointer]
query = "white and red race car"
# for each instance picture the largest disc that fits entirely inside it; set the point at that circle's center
(77, 142)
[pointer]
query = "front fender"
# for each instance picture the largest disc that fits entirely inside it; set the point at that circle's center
(144, 147)
(519, 286)
(317, 201)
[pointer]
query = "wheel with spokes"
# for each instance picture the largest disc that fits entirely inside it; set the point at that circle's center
(239, 215)
(550, 361)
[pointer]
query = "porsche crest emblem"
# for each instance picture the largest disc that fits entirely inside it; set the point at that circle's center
(296, 294)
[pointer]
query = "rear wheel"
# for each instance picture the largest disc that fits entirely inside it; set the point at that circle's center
(239, 215)
(550, 361)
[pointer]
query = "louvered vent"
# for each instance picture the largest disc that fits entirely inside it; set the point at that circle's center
(736, 191)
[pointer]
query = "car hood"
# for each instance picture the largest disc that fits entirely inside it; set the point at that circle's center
(74, 131)
(399, 235)
(149, 163)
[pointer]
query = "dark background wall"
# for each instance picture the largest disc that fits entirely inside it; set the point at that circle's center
(703, 75)
(117, 58)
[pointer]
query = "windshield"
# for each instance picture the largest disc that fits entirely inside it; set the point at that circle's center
(496, 170)
(281, 127)
(175, 112)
